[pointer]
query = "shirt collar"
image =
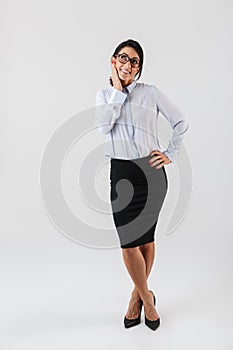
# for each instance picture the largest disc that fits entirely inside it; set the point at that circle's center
(131, 86)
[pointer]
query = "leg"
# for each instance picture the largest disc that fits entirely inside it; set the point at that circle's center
(148, 252)
(136, 266)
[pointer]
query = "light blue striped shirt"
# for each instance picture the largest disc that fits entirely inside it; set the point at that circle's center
(129, 120)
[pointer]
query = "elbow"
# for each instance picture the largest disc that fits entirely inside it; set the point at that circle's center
(181, 127)
(186, 127)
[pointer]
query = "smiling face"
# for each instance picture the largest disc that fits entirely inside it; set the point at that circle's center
(125, 71)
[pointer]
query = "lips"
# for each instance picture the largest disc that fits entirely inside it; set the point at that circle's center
(125, 71)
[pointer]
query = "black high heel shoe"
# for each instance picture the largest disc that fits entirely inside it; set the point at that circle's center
(130, 322)
(153, 297)
(152, 324)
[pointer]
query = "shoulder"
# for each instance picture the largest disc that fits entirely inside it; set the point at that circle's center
(146, 87)
(148, 90)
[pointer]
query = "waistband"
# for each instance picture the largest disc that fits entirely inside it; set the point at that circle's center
(131, 160)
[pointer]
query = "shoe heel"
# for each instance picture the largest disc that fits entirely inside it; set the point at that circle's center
(153, 297)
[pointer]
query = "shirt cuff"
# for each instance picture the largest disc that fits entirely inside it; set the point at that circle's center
(117, 96)
(169, 156)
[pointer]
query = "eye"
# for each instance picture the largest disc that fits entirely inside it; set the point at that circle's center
(124, 57)
(135, 62)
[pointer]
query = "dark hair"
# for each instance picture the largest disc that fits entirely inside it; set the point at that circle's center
(137, 47)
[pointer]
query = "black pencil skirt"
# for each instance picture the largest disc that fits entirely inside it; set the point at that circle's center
(137, 194)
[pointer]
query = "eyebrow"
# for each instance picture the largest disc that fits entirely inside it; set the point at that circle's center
(128, 55)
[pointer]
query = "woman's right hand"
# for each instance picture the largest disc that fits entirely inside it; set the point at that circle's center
(115, 77)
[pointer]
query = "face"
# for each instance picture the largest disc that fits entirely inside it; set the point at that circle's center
(125, 71)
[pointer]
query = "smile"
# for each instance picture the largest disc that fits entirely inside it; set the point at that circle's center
(124, 71)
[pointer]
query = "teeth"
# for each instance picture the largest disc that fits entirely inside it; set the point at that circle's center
(125, 71)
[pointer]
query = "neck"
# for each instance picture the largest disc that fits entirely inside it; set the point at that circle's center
(126, 83)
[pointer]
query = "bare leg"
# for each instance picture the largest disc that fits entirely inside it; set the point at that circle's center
(148, 252)
(138, 270)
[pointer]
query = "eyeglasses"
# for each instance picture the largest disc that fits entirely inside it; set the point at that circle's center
(123, 58)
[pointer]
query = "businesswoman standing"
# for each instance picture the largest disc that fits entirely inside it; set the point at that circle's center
(127, 113)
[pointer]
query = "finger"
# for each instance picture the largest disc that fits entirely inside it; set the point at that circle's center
(159, 163)
(115, 71)
(160, 166)
(156, 162)
(155, 158)
(152, 160)
(156, 153)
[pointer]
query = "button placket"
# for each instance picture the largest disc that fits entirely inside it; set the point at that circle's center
(130, 121)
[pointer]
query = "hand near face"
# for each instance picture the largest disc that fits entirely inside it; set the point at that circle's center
(159, 158)
(115, 77)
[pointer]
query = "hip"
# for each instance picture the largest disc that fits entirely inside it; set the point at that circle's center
(136, 170)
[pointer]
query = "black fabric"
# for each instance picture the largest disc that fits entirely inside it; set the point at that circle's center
(137, 194)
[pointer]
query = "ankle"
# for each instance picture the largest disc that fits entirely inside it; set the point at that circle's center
(135, 295)
(146, 297)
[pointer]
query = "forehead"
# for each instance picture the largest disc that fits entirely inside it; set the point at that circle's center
(129, 51)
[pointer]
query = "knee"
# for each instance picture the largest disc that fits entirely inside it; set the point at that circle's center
(147, 246)
(129, 252)
(150, 244)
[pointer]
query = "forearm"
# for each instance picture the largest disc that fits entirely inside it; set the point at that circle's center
(108, 112)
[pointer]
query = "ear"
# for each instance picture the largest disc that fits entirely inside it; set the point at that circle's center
(113, 59)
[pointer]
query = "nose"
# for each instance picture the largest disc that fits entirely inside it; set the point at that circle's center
(127, 64)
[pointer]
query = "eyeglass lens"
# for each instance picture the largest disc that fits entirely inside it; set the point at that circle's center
(123, 58)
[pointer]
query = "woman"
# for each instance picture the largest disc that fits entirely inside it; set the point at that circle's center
(127, 114)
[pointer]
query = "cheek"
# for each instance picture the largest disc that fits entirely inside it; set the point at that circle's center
(120, 66)
(119, 69)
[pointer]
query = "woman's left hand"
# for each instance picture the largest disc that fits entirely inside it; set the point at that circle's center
(160, 159)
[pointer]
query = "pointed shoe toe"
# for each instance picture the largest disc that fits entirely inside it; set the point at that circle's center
(152, 324)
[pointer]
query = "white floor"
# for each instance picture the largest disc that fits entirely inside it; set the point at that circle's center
(56, 294)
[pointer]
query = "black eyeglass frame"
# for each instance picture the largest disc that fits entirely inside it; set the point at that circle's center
(129, 59)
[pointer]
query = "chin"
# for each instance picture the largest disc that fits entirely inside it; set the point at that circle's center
(125, 79)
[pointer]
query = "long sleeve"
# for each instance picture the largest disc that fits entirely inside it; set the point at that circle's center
(177, 121)
(108, 111)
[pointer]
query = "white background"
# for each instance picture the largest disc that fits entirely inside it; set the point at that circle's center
(55, 55)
